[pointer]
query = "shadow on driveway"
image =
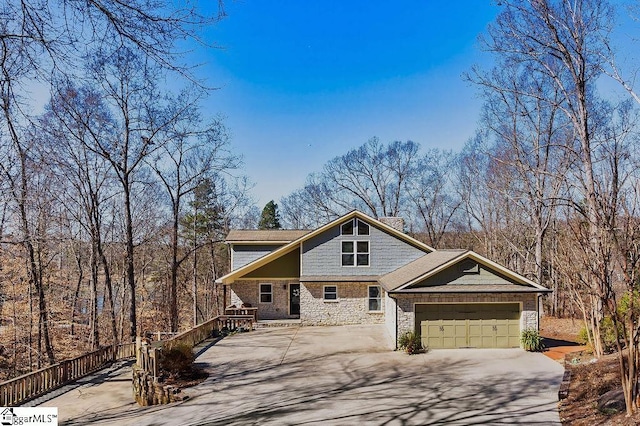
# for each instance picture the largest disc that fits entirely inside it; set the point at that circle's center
(347, 375)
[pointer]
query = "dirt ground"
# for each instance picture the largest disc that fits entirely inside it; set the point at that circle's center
(589, 380)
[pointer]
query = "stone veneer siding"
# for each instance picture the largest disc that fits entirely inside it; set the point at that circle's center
(352, 306)
(406, 302)
(248, 292)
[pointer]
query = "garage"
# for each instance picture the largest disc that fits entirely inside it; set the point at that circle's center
(469, 325)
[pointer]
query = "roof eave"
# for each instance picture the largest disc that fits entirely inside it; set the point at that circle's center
(233, 275)
(539, 291)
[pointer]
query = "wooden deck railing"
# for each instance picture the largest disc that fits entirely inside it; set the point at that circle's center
(32, 385)
(149, 353)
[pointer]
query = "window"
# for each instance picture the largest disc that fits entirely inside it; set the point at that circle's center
(266, 293)
(330, 293)
(363, 228)
(355, 253)
(362, 253)
(347, 253)
(353, 227)
(347, 228)
(375, 298)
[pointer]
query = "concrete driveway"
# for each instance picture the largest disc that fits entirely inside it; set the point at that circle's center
(342, 375)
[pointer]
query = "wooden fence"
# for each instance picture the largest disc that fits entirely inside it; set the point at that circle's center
(32, 385)
(148, 354)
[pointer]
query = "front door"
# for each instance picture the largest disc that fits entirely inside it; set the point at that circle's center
(294, 299)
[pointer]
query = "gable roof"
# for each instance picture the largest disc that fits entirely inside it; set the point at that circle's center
(287, 248)
(419, 267)
(402, 279)
(269, 236)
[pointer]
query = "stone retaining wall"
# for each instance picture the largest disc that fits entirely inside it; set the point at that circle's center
(148, 392)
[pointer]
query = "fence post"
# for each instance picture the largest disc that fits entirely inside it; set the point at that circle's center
(138, 347)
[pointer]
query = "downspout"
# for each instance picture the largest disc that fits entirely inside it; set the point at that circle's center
(539, 295)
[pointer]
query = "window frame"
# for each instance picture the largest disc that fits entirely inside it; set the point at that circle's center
(353, 228)
(347, 253)
(324, 293)
(356, 228)
(369, 298)
(269, 293)
(355, 253)
(368, 253)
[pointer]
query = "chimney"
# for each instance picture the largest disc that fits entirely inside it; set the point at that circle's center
(396, 223)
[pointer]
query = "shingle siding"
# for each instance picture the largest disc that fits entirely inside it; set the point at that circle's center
(244, 254)
(322, 254)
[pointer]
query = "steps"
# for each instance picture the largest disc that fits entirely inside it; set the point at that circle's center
(276, 323)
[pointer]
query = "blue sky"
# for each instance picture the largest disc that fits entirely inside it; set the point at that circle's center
(304, 81)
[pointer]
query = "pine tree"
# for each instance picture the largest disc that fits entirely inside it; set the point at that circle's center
(270, 219)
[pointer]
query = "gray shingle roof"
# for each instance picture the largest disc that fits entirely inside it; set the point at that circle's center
(265, 235)
(418, 267)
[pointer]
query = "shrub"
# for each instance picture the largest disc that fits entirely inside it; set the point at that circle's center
(583, 336)
(177, 361)
(531, 340)
(410, 342)
(607, 335)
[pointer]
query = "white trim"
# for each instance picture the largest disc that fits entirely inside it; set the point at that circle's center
(260, 293)
(357, 228)
(289, 298)
(238, 273)
(355, 253)
(381, 310)
(324, 293)
(353, 228)
(482, 261)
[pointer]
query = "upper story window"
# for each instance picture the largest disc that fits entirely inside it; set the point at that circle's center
(355, 253)
(354, 227)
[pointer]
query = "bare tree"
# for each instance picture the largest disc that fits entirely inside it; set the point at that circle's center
(19, 172)
(193, 152)
(76, 119)
(562, 42)
(371, 178)
(432, 195)
(529, 134)
(128, 84)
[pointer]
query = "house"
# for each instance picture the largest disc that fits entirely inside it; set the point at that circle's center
(361, 270)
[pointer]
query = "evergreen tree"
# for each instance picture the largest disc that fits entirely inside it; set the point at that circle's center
(270, 219)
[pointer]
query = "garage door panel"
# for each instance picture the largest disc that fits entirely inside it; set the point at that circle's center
(469, 325)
